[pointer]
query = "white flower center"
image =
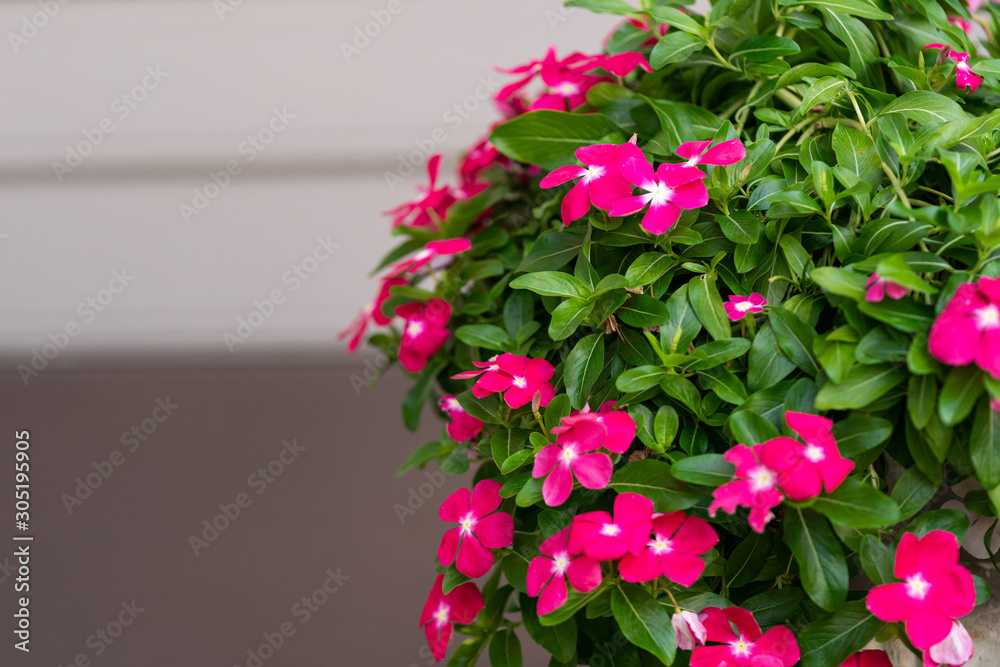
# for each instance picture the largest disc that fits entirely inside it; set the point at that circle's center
(742, 648)
(761, 479)
(568, 453)
(661, 193)
(988, 317)
(520, 382)
(660, 545)
(467, 523)
(593, 173)
(452, 405)
(561, 562)
(611, 529)
(744, 306)
(917, 587)
(567, 88)
(442, 613)
(693, 162)
(423, 254)
(815, 453)
(414, 328)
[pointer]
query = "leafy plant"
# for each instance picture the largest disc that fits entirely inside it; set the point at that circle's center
(796, 314)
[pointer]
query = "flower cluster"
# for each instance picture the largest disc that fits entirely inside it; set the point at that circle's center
(519, 378)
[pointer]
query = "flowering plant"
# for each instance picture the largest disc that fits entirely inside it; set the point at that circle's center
(715, 316)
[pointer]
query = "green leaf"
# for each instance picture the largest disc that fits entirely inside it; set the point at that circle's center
(747, 559)
(861, 47)
(643, 621)
(416, 397)
(717, 352)
(762, 48)
(550, 138)
(639, 379)
(675, 48)
(705, 470)
(952, 521)
(924, 106)
(820, 92)
(559, 640)
(683, 390)
(583, 366)
(724, 383)
(574, 602)
(647, 268)
(921, 398)
(484, 335)
(653, 479)
(795, 338)
(675, 18)
(774, 606)
(740, 226)
(829, 641)
(428, 452)
(707, 305)
(821, 561)
(486, 409)
(453, 578)
(619, 7)
(683, 324)
(906, 315)
(505, 649)
(857, 505)
(859, 434)
(958, 395)
(912, 492)
(877, 560)
(665, 427)
(860, 8)
(984, 446)
(554, 250)
(642, 310)
(856, 152)
(751, 429)
(767, 364)
(551, 283)
(567, 317)
(863, 386)
(507, 442)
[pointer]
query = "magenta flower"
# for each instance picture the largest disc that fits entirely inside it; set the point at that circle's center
(601, 182)
(935, 588)
(520, 377)
(803, 471)
(573, 456)
(661, 30)
(621, 64)
(429, 210)
(370, 313)
(603, 537)
(720, 155)
(754, 486)
(742, 643)
(480, 157)
(548, 573)
(618, 425)
(738, 306)
(431, 251)
(954, 651)
(674, 551)
(668, 190)
(968, 329)
(463, 426)
(441, 611)
(995, 404)
(869, 658)
(491, 378)
(566, 83)
(423, 333)
(689, 629)
(481, 528)
(960, 22)
(965, 78)
(879, 287)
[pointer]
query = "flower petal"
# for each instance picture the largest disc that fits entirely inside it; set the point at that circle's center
(558, 485)
(474, 560)
(485, 498)
(561, 175)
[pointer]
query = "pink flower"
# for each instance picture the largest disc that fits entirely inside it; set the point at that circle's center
(520, 377)
(965, 78)
(618, 425)
(463, 426)
(689, 629)
(755, 486)
(429, 210)
(547, 574)
(738, 306)
(674, 551)
(573, 456)
(603, 537)
(480, 157)
(565, 81)
(482, 528)
(668, 190)
(935, 588)
(995, 404)
(491, 378)
(879, 287)
(431, 251)
(636, 23)
(423, 333)
(869, 658)
(968, 329)
(745, 646)
(954, 651)
(722, 154)
(370, 313)
(622, 63)
(601, 182)
(960, 22)
(805, 470)
(441, 611)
